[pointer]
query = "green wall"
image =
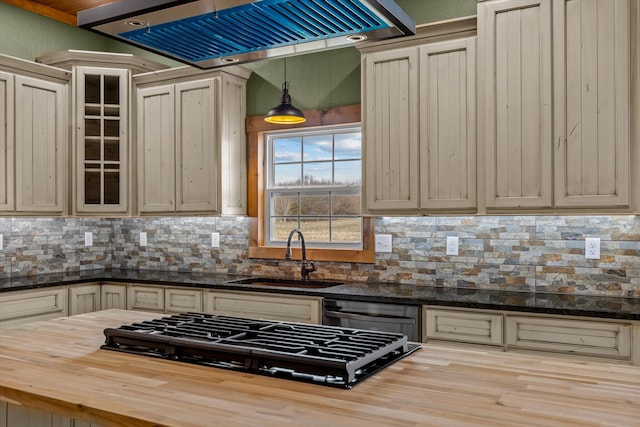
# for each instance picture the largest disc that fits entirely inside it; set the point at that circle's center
(318, 80)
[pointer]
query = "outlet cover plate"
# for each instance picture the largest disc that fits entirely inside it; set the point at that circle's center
(143, 238)
(88, 238)
(592, 248)
(1, 242)
(452, 245)
(383, 243)
(215, 240)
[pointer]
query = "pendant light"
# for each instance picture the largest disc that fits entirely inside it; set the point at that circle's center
(285, 113)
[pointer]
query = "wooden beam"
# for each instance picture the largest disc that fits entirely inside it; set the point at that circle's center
(44, 10)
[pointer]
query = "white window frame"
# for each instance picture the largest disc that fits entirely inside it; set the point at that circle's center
(269, 188)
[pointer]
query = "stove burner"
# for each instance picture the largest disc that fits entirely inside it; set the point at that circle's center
(329, 355)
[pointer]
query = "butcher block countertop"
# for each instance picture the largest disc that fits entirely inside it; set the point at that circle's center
(58, 366)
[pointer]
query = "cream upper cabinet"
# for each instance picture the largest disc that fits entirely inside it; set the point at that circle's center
(6, 142)
(102, 147)
(102, 139)
(592, 101)
(390, 149)
(448, 125)
(419, 122)
(41, 141)
(191, 141)
(556, 92)
(34, 100)
(515, 115)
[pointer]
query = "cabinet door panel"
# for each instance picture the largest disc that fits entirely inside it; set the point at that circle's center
(516, 45)
(390, 145)
(28, 306)
(6, 142)
(41, 123)
(84, 299)
(196, 146)
(592, 102)
(102, 139)
(113, 296)
(183, 300)
(145, 298)
(447, 125)
(156, 149)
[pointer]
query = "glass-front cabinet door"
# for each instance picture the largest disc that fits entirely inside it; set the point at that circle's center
(102, 134)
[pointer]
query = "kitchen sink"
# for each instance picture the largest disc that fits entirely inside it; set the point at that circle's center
(286, 283)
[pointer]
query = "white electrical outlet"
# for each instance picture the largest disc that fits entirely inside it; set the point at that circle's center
(383, 243)
(452, 245)
(215, 240)
(143, 238)
(88, 238)
(592, 248)
(1, 242)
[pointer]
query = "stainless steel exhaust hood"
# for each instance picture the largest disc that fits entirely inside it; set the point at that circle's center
(213, 33)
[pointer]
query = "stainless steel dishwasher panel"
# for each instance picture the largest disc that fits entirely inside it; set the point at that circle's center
(398, 318)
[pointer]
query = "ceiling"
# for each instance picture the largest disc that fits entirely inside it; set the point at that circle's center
(60, 10)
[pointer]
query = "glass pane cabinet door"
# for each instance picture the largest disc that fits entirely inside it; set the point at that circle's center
(102, 139)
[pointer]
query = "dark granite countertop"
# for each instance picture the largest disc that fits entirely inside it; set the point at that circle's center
(536, 302)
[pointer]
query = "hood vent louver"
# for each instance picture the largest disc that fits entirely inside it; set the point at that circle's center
(212, 33)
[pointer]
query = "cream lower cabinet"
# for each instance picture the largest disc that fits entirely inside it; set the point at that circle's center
(419, 126)
(603, 338)
(466, 326)
(84, 299)
(19, 307)
(290, 308)
(113, 296)
(22, 416)
(148, 298)
(583, 337)
(182, 300)
(191, 141)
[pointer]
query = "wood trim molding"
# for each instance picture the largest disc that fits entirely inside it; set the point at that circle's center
(256, 127)
(44, 10)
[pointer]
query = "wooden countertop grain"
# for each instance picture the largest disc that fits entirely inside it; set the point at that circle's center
(58, 366)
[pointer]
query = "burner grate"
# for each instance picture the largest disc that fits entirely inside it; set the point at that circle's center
(326, 355)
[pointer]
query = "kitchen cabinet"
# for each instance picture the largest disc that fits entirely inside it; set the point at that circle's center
(149, 298)
(592, 57)
(113, 295)
(555, 102)
(420, 123)
(182, 300)
(25, 416)
(191, 141)
(84, 299)
(478, 327)
(19, 307)
(102, 147)
(6, 142)
(610, 339)
(581, 337)
(290, 308)
(33, 137)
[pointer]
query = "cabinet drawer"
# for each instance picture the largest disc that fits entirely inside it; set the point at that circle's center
(28, 306)
(260, 306)
(145, 298)
(182, 300)
(585, 337)
(458, 325)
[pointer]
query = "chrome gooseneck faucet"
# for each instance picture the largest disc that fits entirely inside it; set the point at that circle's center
(306, 267)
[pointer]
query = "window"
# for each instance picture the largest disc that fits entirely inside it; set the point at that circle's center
(335, 120)
(313, 183)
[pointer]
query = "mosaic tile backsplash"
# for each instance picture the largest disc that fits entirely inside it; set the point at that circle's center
(531, 253)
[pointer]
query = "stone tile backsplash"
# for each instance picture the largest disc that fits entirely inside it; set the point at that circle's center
(531, 253)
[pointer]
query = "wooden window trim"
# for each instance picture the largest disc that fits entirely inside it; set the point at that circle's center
(256, 127)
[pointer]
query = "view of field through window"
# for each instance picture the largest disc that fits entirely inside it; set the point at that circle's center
(314, 181)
